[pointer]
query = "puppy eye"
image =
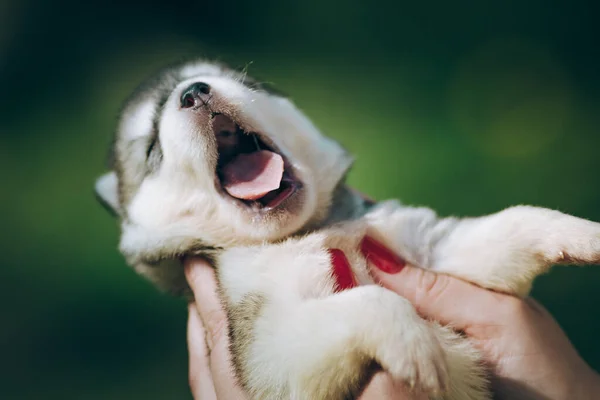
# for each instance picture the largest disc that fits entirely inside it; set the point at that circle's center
(151, 147)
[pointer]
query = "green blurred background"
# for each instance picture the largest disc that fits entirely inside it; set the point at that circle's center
(465, 106)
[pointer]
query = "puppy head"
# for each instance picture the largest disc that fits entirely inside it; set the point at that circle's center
(203, 157)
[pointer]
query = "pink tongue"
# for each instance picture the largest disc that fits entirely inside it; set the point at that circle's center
(251, 176)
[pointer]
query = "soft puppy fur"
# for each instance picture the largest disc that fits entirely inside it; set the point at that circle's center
(293, 335)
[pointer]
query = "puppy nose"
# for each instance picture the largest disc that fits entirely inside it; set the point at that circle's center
(195, 95)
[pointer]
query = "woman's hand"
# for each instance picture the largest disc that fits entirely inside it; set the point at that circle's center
(211, 372)
(529, 355)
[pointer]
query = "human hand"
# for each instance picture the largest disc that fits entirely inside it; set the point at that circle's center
(211, 372)
(529, 355)
(210, 369)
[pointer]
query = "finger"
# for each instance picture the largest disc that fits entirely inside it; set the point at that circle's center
(203, 283)
(200, 377)
(383, 387)
(445, 299)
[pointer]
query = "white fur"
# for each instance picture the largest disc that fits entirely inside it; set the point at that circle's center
(139, 120)
(503, 251)
(295, 277)
(303, 327)
(183, 189)
(106, 187)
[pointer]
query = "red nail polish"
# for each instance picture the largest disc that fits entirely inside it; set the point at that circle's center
(380, 256)
(344, 278)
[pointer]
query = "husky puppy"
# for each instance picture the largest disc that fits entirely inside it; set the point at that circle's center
(207, 161)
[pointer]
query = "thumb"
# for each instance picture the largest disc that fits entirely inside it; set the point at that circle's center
(201, 278)
(443, 298)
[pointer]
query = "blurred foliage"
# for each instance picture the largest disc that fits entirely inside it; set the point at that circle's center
(465, 106)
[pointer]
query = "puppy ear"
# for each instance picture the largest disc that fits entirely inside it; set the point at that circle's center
(107, 192)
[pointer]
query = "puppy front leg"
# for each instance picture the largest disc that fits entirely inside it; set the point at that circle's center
(326, 348)
(503, 251)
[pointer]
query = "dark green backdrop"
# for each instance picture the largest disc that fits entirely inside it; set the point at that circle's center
(465, 106)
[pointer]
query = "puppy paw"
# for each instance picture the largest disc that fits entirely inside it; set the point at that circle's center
(577, 242)
(417, 359)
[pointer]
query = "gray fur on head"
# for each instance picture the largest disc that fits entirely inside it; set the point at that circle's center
(164, 188)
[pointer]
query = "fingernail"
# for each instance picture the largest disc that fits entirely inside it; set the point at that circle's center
(193, 264)
(190, 270)
(342, 273)
(380, 256)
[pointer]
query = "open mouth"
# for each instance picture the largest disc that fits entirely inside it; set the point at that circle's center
(250, 169)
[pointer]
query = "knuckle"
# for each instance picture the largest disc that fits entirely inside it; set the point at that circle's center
(215, 325)
(432, 285)
(514, 308)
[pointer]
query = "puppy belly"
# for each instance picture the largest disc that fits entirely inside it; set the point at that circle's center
(269, 288)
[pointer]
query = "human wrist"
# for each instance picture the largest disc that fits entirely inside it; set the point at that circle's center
(589, 386)
(581, 383)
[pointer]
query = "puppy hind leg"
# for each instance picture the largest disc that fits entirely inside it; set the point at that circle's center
(336, 341)
(506, 251)
(503, 251)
